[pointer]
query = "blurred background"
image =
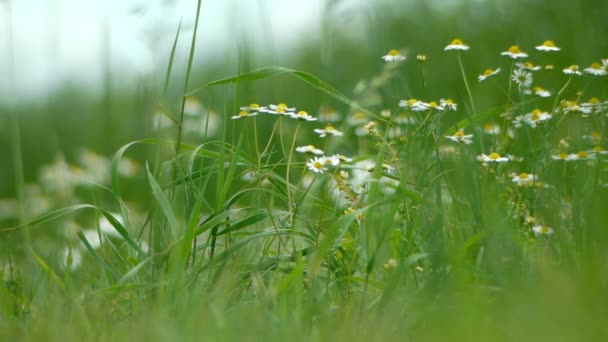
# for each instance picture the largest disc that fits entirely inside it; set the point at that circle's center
(90, 74)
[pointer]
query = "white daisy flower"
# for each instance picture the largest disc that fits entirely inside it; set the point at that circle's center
(328, 114)
(491, 128)
(514, 52)
(309, 149)
(192, 106)
(333, 160)
(532, 118)
(542, 230)
(488, 73)
(317, 165)
(523, 179)
(522, 78)
(456, 44)
(528, 66)
(548, 45)
(282, 107)
(596, 69)
(561, 156)
(393, 56)
(302, 115)
(414, 105)
(539, 91)
(328, 130)
(448, 104)
(254, 107)
(244, 114)
(598, 149)
(343, 158)
(572, 70)
(432, 105)
(492, 158)
(460, 137)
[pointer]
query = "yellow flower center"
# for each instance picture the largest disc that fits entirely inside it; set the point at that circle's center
(449, 102)
(535, 115)
(411, 102)
(280, 110)
(563, 155)
(254, 106)
(302, 113)
(583, 155)
(488, 72)
(594, 100)
(514, 49)
(549, 43)
(318, 165)
(543, 230)
(433, 104)
(528, 65)
(393, 53)
(494, 156)
(456, 42)
(596, 134)
(459, 134)
(538, 89)
(329, 128)
(243, 113)
(598, 149)
(596, 66)
(282, 106)
(573, 67)
(524, 175)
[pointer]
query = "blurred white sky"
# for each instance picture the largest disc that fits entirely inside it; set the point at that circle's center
(55, 41)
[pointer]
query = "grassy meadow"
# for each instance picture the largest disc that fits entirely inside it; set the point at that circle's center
(442, 175)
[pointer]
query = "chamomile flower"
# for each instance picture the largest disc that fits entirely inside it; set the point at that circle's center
(433, 105)
(492, 158)
(309, 149)
(278, 111)
(421, 58)
(328, 130)
(532, 119)
(547, 46)
(528, 66)
(583, 155)
(523, 179)
(460, 137)
(561, 156)
(542, 230)
(596, 69)
(405, 118)
(333, 160)
(317, 165)
(599, 150)
(448, 104)
(572, 70)
(357, 118)
(254, 107)
(192, 106)
(514, 52)
(414, 105)
(244, 114)
(343, 158)
(302, 115)
(522, 78)
(393, 56)
(328, 114)
(491, 128)
(280, 108)
(456, 44)
(539, 91)
(488, 73)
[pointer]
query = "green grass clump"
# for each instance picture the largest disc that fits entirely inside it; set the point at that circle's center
(400, 211)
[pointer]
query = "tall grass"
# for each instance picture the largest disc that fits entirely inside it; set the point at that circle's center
(463, 214)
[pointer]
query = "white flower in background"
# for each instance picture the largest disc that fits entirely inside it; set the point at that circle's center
(539, 91)
(491, 128)
(406, 118)
(488, 73)
(106, 228)
(309, 149)
(456, 44)
(528, 66)
(542, 230)
(393, 56)
(514, 52)
(414, 105)
(523, 179)
(448, 104)
(333, 160)
(70, 258)
(281, 106)
(492, 158)
(328, 114)
(328, 130)
(572, 70)
(192, 106)
(548, 46)
(460, 137)
(254, 107)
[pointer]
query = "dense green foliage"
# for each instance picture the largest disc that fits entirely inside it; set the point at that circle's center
(438, 207)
